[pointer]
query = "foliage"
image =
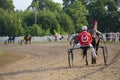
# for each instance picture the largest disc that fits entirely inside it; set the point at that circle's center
(46, 32)
(36, 30)
(45, 17)
(65, 22)
(106, 12)
(7, 5)
(78, 14)
(9, 24)
(46, 5)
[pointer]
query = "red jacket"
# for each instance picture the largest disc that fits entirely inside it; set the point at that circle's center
(84, 38)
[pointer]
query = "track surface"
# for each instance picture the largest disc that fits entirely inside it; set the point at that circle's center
(48, 61)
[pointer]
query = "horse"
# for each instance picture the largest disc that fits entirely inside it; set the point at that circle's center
(11, 39)
(95, 35)
(95, 41)
(27, 39)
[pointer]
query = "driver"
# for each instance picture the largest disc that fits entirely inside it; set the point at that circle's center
(85, 39)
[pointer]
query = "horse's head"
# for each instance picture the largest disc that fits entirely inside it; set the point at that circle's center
(93, 28)
(95, 36)
(94, 25)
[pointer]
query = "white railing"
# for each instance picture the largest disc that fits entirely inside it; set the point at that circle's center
(112, 36)
(34, 39)
(109, 36)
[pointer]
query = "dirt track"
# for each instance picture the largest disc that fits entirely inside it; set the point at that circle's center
(48, 61)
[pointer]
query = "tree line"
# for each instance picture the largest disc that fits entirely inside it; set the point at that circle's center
(45, 17)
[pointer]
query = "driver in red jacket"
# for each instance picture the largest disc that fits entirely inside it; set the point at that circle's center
(85, 39)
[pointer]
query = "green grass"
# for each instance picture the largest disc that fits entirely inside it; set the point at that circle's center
(3, 53)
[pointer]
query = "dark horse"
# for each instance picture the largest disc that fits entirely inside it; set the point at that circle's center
(27, 39)
(95, 35)
(95, 42)
(11, 39)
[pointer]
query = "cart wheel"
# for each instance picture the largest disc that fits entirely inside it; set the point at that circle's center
(105, 54)
(106, 51)
(70, 57)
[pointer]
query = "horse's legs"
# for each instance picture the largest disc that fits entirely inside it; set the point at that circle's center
(13, 41)
(93, 59)
(85, 55)
(94, 42)
(21, 42)
(93, 55)
(26, 41)
(29, 41)
(97, 44)
(8, 40)
(86, 59)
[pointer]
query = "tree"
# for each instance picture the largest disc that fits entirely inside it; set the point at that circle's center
(78, 14)
(65, 22)
(36, 30)
(7, 5)
(67, 3)
(9, 24)
(47, 20)
(105, 11)
(46, 5)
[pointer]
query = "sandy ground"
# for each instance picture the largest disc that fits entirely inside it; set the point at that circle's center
(48, 61)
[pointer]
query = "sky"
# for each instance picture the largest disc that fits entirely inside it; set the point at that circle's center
(23, 4)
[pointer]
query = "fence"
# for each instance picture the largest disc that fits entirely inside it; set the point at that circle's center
(112, 36)
(109, 36)
(36, 38)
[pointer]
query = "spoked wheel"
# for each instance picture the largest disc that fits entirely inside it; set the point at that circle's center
(105, 51)
(70, 57)
(105, 54)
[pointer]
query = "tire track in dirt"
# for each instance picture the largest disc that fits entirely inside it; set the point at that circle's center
(60, 68)
(31, 71)
(99, 69)
(58, 63)
(36, 57)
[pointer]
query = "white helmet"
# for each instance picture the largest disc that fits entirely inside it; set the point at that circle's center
(84, 28)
